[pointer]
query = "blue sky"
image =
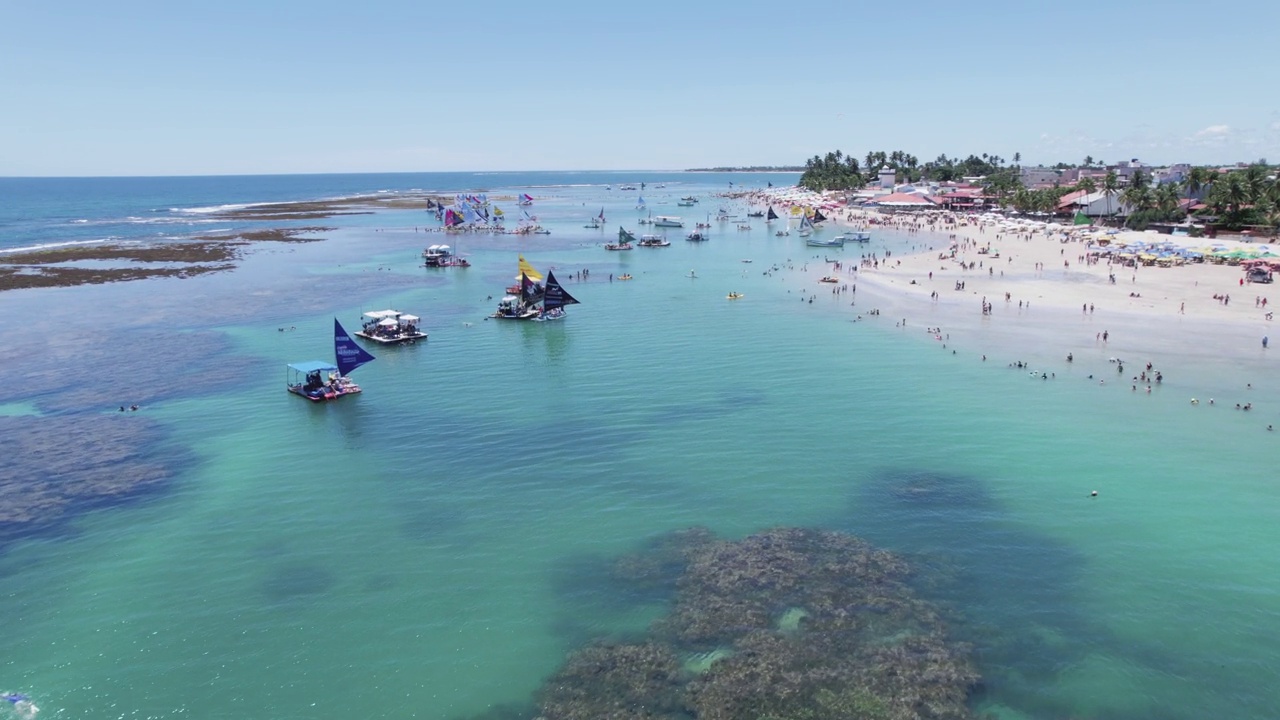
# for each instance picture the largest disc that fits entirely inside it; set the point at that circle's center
(150, 88)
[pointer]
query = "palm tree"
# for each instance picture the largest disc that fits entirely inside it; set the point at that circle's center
(1194, 182)
(1087, 185)
(1167, 198)
(1110, 184)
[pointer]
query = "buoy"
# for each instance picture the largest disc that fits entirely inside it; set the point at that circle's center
(1093, 494)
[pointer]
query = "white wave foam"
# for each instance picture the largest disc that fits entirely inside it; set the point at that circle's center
(46, 246)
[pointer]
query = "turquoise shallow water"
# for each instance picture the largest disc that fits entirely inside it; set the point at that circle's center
(433, 547)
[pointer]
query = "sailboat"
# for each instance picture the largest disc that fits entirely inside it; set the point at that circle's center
(818, 217)
(307, 379)
(525, 200)
(554, 299)
(806, 227)
(640, 203)
(520, 302)
(771, 216)
(624, 241)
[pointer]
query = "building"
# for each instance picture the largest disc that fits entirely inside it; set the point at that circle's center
(1038, 177)
(888, 177)
(1095, 204)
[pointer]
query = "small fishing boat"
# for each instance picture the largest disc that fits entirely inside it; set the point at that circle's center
(390, 327)
(684, 203)
(624, 241)
(625, 276)
(318, 380)
(690, 199)
(857, 236)
(653, 241)
(697, 237)
(757, 213)
(830, 279)
(837, 241)
(734, 296)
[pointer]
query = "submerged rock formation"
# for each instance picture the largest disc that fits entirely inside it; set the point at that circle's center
(788, 624)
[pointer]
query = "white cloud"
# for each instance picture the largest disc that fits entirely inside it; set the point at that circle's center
(1214, 131)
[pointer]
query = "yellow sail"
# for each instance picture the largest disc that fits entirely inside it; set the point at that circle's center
(527, 269)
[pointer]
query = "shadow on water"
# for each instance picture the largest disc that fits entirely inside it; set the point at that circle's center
(1012, 593)
(296, 582)
(723, 404)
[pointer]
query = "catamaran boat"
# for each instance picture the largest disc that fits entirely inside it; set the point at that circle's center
(318, 380)
(390, 327)
(653, 241)
(667, 221)
(442, 256)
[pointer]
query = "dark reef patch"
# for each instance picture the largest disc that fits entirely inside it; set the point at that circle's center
(54, 266)
(788, 623)
(53, 466)
(295, 581)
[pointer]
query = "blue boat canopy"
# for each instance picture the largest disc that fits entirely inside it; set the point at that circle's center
(313, 365)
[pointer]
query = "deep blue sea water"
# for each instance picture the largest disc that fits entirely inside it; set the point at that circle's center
(430, 548)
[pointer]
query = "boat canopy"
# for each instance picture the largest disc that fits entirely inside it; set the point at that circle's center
(379, 314)
(312, 366)
(388, 322)
(409, 318)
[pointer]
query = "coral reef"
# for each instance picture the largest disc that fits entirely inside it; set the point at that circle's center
(788, 624)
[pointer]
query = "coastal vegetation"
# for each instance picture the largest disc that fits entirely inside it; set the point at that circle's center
(788, 623)
(1236, 199)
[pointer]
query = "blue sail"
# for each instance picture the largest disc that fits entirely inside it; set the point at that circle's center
(349, 355)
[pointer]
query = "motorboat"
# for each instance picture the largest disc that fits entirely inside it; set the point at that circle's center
(390, 327)
(442, 256)
(857, 236)
(653, 241)
(734, 296)
(697, 237)
(837, 241)
(668, 221)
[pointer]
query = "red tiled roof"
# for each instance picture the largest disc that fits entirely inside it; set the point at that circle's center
(1067, 200)
(901, 199)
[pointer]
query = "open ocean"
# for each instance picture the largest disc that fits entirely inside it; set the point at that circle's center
(433, 547)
